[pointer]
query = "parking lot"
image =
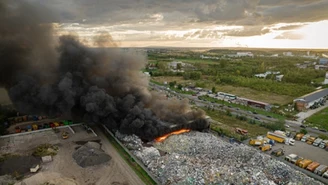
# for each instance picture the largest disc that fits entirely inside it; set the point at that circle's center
(305, 150)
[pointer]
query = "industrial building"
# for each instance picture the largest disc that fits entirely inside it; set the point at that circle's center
(306, 101)
(257, 104)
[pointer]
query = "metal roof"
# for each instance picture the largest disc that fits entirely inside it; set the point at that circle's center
(314, 95)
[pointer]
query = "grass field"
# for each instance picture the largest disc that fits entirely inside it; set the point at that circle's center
(244, 92)
(319, 119)
(243, 107)
(230, 123)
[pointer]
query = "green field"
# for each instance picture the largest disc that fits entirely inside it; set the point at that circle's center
(229, 123)
(319, 119)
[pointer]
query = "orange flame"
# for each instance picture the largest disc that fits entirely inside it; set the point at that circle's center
(162, 138)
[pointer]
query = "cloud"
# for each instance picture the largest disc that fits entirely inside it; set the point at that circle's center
(289, 36)
(153, 20)
(248, 31)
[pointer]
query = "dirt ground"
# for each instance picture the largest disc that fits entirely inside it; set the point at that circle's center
(63, 169)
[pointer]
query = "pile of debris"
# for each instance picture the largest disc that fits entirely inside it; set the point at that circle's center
(90, 154)
(131, 142)
(201, 158)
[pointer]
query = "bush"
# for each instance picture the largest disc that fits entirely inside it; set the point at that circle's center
(303, 131)
(44, 150)
(324, 137)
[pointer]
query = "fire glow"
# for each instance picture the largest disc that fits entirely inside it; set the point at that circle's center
(162, 138)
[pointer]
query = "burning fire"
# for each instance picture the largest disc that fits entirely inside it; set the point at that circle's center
(162, 138)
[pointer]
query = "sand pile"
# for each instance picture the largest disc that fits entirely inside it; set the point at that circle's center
(90, 154)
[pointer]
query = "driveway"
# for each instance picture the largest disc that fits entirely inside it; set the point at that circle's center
(303, 115)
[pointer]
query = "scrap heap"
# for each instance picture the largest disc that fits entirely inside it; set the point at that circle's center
(201, 158)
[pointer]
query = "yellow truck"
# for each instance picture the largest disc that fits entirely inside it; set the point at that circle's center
(299, 136)
(276, 137)
(310, 140)
(265, 147)
(304, 163)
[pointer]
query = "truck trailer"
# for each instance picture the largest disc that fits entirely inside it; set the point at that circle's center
(276, 137)
(313, 166)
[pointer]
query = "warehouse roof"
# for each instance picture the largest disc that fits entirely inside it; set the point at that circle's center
(313, 96)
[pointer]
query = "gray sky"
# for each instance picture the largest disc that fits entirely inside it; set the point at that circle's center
(206, 22)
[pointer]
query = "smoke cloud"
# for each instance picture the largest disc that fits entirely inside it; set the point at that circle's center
(64, 77)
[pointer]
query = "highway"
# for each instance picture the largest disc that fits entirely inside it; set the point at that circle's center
(293, 125)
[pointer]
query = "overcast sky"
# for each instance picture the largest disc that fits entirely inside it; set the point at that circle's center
(197, 23)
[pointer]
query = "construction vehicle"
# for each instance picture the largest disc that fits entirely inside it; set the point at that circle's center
(304, 138)
(321, 169)
(278, 152)
(276, 137)
(317, 142)
(256, 142)
(313, 166)
(304, 163)
(310, 140)
(323, 144)
(299, 136)
(265, 147)
(241, 131)
(64, 135)
(290, 157)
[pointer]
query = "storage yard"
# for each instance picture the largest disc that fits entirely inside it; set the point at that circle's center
(202, 158)
(64, 169)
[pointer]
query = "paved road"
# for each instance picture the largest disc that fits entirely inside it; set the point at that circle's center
(293, 125)
(310, 112)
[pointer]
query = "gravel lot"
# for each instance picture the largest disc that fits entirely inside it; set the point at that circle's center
(63, 167)
(305, 150)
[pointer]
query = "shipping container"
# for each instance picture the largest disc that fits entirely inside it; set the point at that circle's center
(313, 166)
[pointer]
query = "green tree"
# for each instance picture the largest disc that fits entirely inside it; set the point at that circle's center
(180, 86)
(179, 66)
(303, 131)
(172, 84)
(213, 90)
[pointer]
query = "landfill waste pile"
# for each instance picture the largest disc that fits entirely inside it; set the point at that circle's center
(90, 154)
(202, 158)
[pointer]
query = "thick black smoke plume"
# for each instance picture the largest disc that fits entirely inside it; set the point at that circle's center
(64, 77)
